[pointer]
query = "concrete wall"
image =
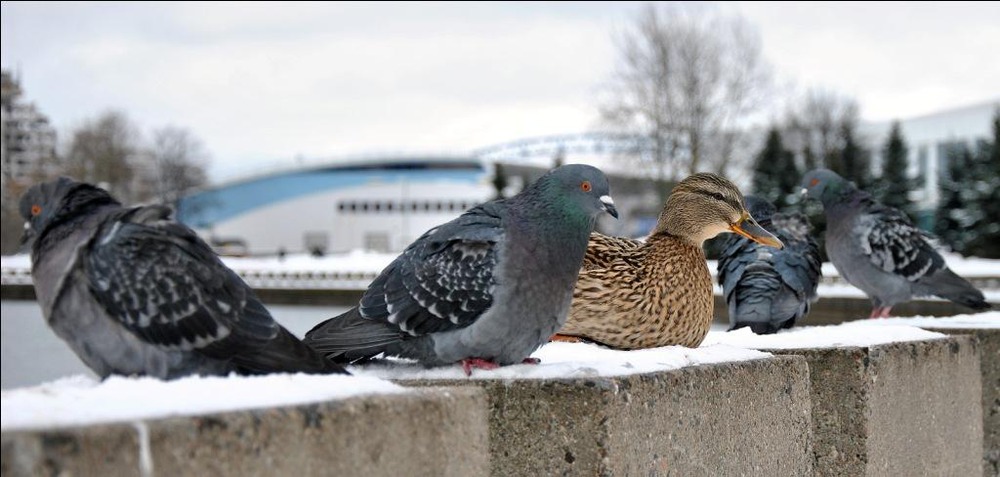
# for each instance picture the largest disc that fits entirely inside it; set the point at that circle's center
(432, 432)
(911, 408)
(989, 351)
(744, 418)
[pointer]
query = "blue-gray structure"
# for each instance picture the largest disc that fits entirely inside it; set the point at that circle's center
(376, 204)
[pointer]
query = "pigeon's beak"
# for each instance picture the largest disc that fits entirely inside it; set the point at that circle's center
(609, 205)
(804, 192)
(749, 228)
(27, 239)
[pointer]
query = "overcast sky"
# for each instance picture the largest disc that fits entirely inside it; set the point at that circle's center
(262, 83)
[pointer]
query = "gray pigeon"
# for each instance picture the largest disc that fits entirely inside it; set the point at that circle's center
(134, 293)
(486, 289)
(877, 249)
(766, 288)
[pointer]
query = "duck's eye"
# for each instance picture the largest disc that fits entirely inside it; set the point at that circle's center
(718, 196)
(813, 182)
(585, 186)
(36, 209)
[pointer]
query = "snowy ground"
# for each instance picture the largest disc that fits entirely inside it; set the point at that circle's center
(989, 319)
(571, 360)
(81, 400)
(835, 336)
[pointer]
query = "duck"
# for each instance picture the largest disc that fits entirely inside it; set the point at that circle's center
(634, 294)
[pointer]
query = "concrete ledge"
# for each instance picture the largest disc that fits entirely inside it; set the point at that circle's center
(737, 418)
(441, 431)
(909, 408)
(989, 350)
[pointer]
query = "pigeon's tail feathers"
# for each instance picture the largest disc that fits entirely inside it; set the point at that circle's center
(351, 337)
(946, 284)
(762, 302)
(286, 353)
(282, 352)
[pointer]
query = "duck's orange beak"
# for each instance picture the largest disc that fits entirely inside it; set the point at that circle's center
(749, 228)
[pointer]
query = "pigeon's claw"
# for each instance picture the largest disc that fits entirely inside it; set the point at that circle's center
(469, 363)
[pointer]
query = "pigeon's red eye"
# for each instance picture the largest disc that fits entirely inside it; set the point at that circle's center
(813, 182)
(36, 209)
(585, 186)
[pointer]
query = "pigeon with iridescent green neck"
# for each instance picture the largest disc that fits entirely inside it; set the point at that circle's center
(877, 249)
(486, 289)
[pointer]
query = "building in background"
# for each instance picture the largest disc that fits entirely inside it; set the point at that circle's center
(929, 138)
(377, 204)
(28, 140)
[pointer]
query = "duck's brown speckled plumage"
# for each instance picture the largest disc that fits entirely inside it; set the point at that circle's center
(634, 294)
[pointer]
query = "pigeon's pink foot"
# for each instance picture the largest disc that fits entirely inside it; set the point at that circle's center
(531, 361)
(879, 312)
(469, 363)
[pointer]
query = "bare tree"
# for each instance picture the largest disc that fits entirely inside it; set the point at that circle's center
(179, 160)
(813, 128)
(105, 151)
(687, 79)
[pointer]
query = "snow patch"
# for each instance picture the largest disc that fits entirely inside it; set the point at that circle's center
(990, 319)
(570, 360)
(81, 400)
(856, 333)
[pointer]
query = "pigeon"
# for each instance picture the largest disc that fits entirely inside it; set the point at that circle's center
(877, 249)
(134, 293)
(769, 289)
(484, 290)
(635, 295)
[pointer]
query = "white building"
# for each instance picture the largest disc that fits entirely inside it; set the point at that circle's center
(929, 138)
(374, 204)
(26, 135)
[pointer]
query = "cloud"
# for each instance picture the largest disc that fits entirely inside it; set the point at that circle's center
(262, 82)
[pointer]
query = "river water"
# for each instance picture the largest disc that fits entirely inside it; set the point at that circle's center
(32, 354)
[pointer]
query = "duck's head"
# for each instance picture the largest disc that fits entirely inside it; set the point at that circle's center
(705, 205)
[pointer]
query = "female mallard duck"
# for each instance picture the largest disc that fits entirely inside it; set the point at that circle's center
(634, 294)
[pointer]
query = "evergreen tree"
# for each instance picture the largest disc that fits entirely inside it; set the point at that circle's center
(955, 214)
(851, 160)
(499, 181)
(894, 186)
(775, 176)
(986, 242)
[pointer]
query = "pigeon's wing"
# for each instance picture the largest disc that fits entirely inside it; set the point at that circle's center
(159, 280)
(895, 245)
(444, 280)
(799, 263)
(737, 254)
(604, 250)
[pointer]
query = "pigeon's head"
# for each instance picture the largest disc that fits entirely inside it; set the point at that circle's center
(54, 201)
(760, 208)
(579, 188)
(825, 185)
(704, 205)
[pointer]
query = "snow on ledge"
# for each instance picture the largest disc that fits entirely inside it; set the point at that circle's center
(837, 336)
(990, 319)
(81, 400)
(570, 360)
